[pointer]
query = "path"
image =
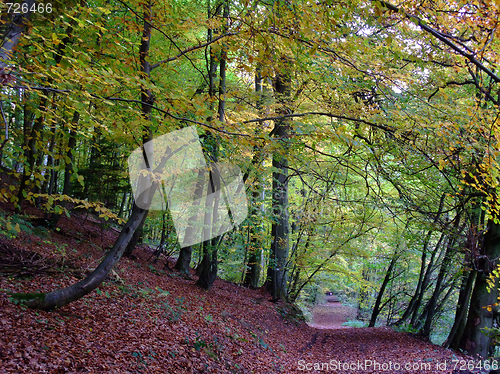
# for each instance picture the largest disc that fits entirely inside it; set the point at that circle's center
(331, 314)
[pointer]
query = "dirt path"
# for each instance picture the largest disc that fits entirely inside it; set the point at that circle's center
(331, 315)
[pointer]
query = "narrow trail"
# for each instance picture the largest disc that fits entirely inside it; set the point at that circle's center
(331, 314)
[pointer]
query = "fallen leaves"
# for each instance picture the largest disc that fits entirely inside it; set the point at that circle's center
(140, 322)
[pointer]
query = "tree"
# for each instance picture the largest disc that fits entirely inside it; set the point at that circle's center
(474, 339)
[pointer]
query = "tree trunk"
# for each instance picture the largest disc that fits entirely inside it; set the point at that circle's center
(207, 269)
(426, 330)
(59, 298)
(427, 277)
(136, 238)
(276, 282)
(457, 330)
(68, 170)
(253, 263)
(252, 273)
(182, 264)
(468, 278)
(473, 340)
(413, 302)
(377, 308)
(147, 100)
(208, 265)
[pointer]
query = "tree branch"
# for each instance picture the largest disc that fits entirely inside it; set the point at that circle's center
(442, 37)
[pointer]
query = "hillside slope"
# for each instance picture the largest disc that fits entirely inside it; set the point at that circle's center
(146, 320)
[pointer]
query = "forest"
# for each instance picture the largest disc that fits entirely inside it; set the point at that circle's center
(339, 147)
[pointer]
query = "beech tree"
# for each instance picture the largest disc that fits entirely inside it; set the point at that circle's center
(349, 121)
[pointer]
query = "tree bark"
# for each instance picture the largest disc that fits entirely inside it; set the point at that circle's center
(208, 266)
(464, 297)
(147, 100)
(473, 340)
(182, 264)
(253, 263)
(277, 282)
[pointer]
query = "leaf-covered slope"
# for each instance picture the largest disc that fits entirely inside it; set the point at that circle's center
(145, 320)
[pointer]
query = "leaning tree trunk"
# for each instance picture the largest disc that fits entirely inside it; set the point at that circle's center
(61, 297)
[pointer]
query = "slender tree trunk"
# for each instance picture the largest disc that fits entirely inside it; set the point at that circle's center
(147, 100)
(426, 331)
(253, 264)
(293, 294)
(122, 205)
(427, 277)
(68, 170)
(253, 267)
(50, 160)
(377, 307)
(413, 302)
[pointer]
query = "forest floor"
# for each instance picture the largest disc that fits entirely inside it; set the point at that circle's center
(331, 315)
(144, 319)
